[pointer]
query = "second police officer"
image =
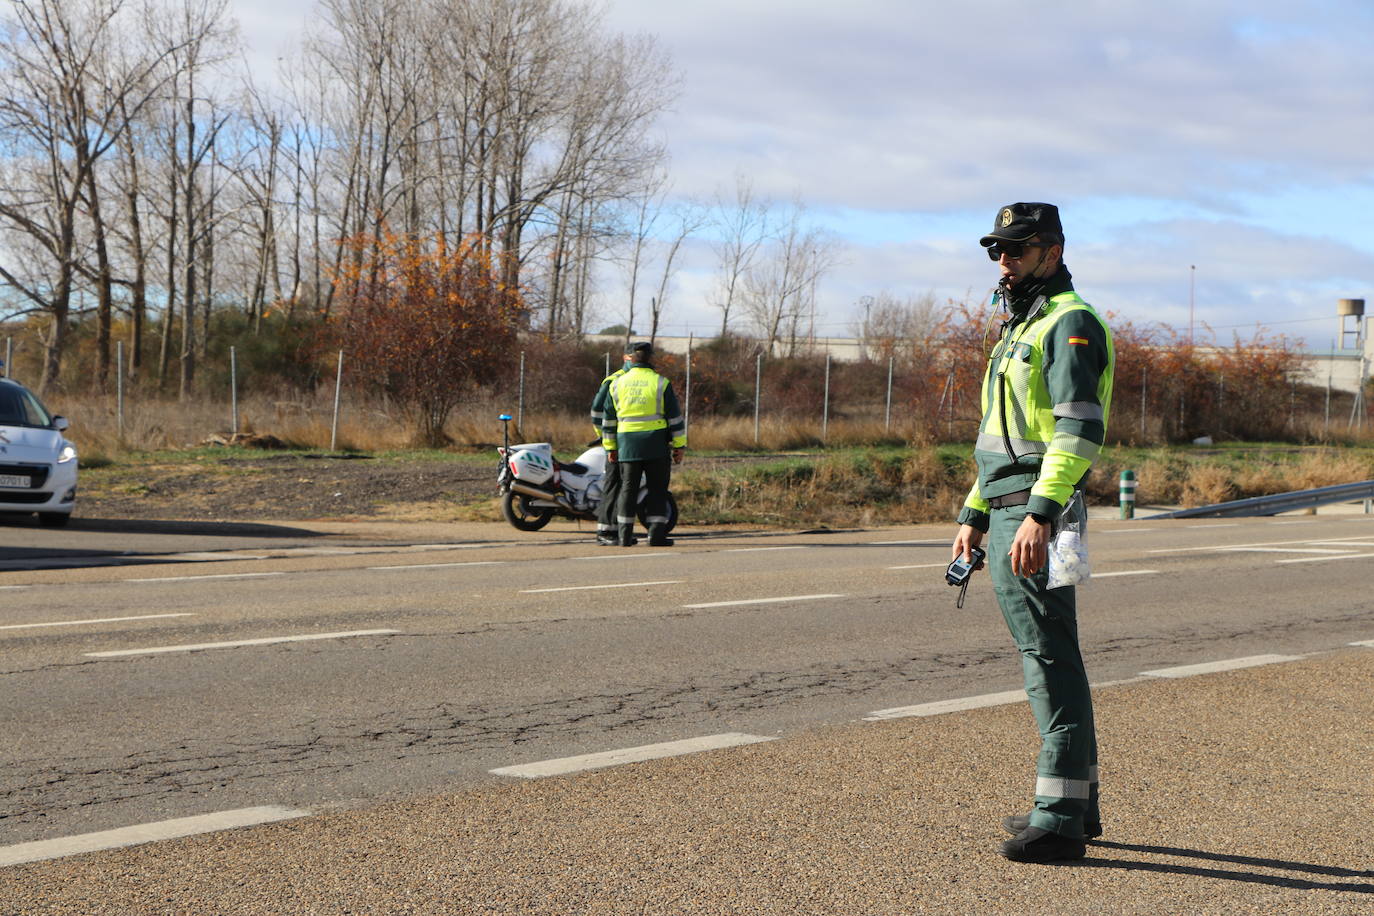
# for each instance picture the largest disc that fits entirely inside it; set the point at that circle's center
(644, 431)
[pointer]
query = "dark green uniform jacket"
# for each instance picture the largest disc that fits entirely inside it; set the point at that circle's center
(643, 420)
(1046, 395)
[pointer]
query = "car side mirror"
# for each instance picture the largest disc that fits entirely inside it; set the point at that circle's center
(60, 423)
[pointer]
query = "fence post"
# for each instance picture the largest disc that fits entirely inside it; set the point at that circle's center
(520, 413)
(334, 424)
(825, 404)
(119, 388)
(887, 414)
(1128, 483)
(687, 389)
(758, 388)
(234, 388)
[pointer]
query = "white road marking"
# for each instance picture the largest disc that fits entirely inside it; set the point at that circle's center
(1278, 550)
(442, 565)
(920, 566)
(1232, 546)
(13, 588)
(271, 640)
(217, 576)
(77, 623)
(1308, 521)
(625, 556)
(580, 588)
(1368, 643)
(43, 850)
(1124, 572)
(582, 762)
(761, 600)
(1339, 556)
(940, 707)
(908, 543)
(760, 549)
(1231, 664)
(1227, 525)
(1126, 530)
(1369, 545)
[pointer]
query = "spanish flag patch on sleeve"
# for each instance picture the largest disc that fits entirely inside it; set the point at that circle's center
(1079, 341)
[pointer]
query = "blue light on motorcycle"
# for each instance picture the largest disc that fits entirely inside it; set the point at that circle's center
(504, 416)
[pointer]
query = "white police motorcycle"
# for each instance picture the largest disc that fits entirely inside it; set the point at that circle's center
(536, 486)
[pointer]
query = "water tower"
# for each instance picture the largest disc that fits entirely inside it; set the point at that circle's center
(1350, 313)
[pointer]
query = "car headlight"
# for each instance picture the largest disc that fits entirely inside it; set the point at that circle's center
(68, 453)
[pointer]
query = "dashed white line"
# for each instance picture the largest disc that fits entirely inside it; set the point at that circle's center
(564, 765)
(761, 600)
(1124, 572)
(42, 850)
(625, 556)
(216, 576)
(580, 588)
(271, 640)
(1231, 664)
(441, 565)
(13, 588)
(1278, 550)
(1367, 643)
(940, 707)
(77, 623)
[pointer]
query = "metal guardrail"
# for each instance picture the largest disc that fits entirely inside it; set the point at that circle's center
(1281, 502)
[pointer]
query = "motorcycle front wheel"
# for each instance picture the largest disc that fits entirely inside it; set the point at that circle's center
(522, 516)
(672, 514)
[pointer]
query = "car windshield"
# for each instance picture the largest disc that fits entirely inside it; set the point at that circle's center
(20, 408)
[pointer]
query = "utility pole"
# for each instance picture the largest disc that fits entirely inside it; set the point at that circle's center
(1192, 273)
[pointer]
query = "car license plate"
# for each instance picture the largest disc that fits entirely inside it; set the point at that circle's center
(12, 480)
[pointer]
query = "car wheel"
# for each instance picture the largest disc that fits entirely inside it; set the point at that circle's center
(53, 519)
(518, 511)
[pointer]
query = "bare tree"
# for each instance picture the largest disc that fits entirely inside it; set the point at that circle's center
(67, 100)
(743, 224)
(780, 287)
(894, 327)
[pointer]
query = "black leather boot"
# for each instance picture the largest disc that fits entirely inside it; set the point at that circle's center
(1036, 845)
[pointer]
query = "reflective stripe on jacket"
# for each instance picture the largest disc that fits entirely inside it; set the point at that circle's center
(1046, 395)
(599, 400)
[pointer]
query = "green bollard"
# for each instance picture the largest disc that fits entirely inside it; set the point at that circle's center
(1128, 494)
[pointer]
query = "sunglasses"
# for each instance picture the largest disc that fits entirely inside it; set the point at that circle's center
(1012, 250)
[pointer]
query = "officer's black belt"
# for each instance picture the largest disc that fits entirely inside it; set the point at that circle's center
(1019, 498)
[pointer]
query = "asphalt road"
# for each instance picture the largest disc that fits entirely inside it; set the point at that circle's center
(142, 692)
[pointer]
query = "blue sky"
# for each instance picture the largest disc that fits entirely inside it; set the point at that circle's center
(1234, 136)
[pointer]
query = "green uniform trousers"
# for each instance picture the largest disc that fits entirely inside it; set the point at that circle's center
(610, 500)
(1044, 624)
(656, 474)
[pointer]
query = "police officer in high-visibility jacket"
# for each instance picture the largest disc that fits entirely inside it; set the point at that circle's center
(610, 480)
(645, 432)
(1046, 395)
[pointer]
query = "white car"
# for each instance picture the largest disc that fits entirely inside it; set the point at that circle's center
(37, 463)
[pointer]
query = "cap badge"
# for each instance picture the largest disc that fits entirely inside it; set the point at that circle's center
(1006, 217)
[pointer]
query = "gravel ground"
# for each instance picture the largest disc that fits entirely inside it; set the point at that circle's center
(1246, 792)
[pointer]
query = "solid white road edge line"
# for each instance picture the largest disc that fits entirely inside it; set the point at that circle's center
(1368, 643)
(761, 600)
(1231, 664)
(271, 640)
(582, 588)
(442, 565)
(77, 623)
(582, 762)
(41, 850)
(216, 576)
